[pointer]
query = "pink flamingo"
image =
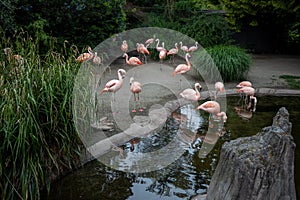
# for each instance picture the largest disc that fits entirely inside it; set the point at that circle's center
(249, 91)
(183, 68)
(213, 108)
(219, 86)
(85, 56)
(133, 61)
(184, 48)
(173, 51)
(191, 94)
(193, 48)
(143, 50)
(135, 88)
(243, 84)
(124, 46)
(150, 41)
(96, 59)
(162, 48)
(162, 56)
(114, 85)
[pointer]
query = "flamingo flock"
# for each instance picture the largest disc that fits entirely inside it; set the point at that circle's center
(244, 88)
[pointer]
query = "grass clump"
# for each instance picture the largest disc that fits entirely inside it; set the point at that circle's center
(38, 137)
(229, 62)
(293, 81)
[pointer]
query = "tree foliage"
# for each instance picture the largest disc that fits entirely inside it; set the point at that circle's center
(260, 12)
(77, 21)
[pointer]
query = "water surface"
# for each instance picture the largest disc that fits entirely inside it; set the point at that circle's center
(187, 176)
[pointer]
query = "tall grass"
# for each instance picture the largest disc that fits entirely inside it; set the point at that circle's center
(38, 137)
(232, 63)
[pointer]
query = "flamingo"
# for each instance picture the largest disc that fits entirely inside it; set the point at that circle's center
(85, 56)
(135, 88)
(193, 48)
(133, 61)
(243, 84)
(162, 56)
(150, 41)
(142, 49)
(219, 86)
(96, 59)
(191, 94)
(160, 48)
(173, 51)
(124, 46)
(184, 48)
(114, 85)
(213, 108)
(249, 91)
(183, 68)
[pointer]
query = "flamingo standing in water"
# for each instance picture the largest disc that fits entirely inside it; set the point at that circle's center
(86, 56)
(213, 108)
(135, 88)
(219, 87)
(249, 91)
(173, 51)
(114, 85)
(244, 84)
(191, 94)
(133, 61)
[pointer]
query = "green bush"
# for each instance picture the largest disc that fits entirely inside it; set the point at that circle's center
(37, 133)
(232, 63)
(208, 30)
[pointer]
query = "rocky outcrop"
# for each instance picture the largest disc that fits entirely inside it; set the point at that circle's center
(257, 167)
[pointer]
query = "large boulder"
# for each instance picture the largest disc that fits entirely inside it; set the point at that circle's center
(257, 167)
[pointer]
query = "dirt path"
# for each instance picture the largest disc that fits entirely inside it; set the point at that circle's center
(266, 70)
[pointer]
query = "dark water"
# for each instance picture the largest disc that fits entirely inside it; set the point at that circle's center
(187, 176)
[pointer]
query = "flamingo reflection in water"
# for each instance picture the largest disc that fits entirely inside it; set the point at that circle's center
(215, 127)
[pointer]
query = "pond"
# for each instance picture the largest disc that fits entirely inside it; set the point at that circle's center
(187, 176)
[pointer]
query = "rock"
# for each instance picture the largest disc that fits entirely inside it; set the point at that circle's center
(257, 167)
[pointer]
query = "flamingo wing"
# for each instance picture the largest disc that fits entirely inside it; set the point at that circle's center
(135, 61)
(180, 69)
(189, 94)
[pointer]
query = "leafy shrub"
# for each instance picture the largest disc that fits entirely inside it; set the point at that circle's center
(232, 63)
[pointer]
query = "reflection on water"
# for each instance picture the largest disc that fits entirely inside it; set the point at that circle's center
(194, 131)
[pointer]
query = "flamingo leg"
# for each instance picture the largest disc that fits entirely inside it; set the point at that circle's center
(134, 103)
(140, 104)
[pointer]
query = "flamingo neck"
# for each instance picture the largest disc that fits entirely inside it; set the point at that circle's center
(197, 91)
(187, 61)
(157, 43)
(120, 77)
(126, 58)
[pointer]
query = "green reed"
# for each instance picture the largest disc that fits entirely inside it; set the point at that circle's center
(38, 137)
